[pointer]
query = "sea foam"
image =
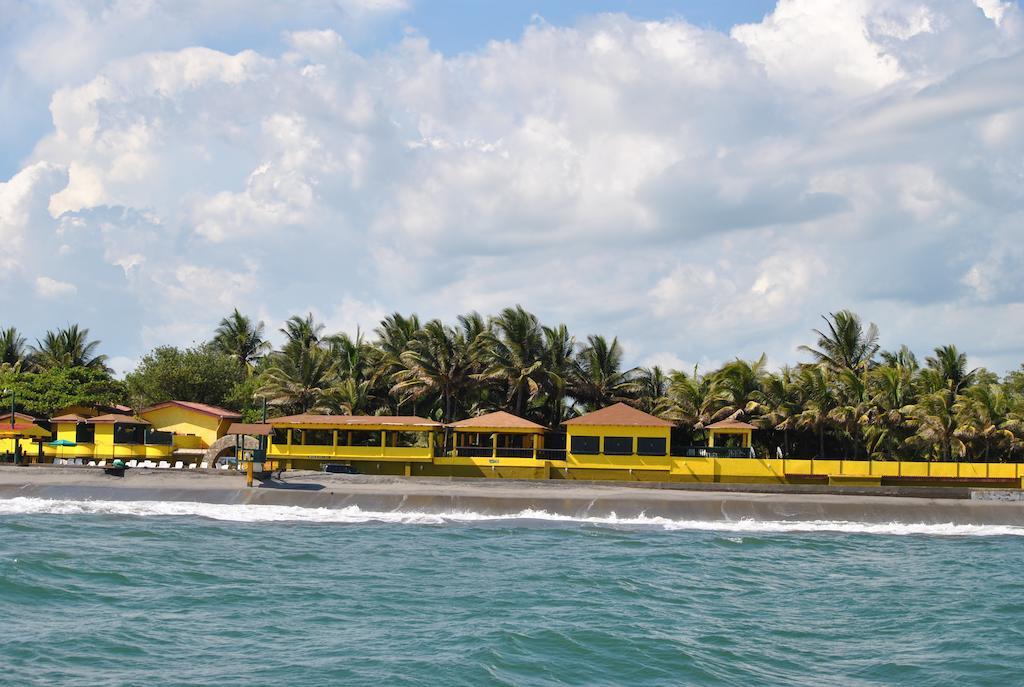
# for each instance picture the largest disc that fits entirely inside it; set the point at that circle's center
(356, 515)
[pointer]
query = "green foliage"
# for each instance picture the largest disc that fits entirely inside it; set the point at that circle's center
(44, 393)
(203, 374)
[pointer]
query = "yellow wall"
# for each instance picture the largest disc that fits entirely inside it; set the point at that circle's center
(385, 453)
(185, 421)
(106, 448)
(633, 462)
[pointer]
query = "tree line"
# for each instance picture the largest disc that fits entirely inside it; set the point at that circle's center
(852, 400)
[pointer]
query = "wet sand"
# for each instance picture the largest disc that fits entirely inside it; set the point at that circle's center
(582, 499)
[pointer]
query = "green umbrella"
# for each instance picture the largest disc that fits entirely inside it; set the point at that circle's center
(62, 442)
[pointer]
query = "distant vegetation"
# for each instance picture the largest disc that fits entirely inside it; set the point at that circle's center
(851, 401)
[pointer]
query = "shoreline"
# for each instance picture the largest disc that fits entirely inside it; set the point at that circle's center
(509, 497)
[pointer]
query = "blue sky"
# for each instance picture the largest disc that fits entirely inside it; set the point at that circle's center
(701, 179)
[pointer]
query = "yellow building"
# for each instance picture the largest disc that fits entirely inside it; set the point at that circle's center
(497, 435)
(732, 434)
(371, 440)
(127, 437)
(618, 437)
(76, 436)
(195, 425)
(23, 434)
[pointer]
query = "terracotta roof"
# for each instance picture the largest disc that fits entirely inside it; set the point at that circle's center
(730, 424)
(497, 420)
(619, 415)
(252, 428)
(23, 429)
(71, 417)
(6, 417)
(116, 417)
(222, 413)
(346, 420)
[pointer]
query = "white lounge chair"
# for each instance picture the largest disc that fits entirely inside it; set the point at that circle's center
(77, 461)
(92, 463)
(164, 465)
(102, 463)
(132, 463)
(179, 465)
(224, 466)
(192, 466)
(204, 465)
(61, 461)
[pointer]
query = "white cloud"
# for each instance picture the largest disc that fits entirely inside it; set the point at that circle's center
(699, 194)
(50, 288)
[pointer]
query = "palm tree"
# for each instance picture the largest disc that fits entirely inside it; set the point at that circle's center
(301, 333)
(947, 369)
(12, 347)
(298, 379)
(393, 336)
(559, 346)
(845, 344)
(242, 339)
(984, 414)
(739, 384)
(438, 362)
(934, 418)
(597, 378)
(817, 388)
(513, 355)
(893, 393)
(692, 400)
(852, 407)
(650, 389)
(68, 347)
(781, 404)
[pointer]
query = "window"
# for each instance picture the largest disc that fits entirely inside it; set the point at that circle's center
(313, 437)
(129, 434)
(408, 439)
(651, 446)
(279, 437)
(85, 434)
(342, 437)
(586, 446)
(154, 438)
(364, 437)
(618, 446)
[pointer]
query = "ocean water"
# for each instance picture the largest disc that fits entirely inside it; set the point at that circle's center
(142, 593)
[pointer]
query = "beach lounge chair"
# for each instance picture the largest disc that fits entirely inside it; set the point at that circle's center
(77, 461)
(92, 463)
(179, 465)
(224, 466)
(192, 466)
(164, 465)
(132, 463)
(204, 465)
(102, 463)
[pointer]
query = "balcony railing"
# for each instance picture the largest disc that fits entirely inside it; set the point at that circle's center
(501, 452)
(717, 452)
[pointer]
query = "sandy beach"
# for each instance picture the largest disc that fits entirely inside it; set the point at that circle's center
(582, 499)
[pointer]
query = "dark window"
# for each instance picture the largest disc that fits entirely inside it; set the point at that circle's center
(155, 438)
(408, 439)
(129, 434)
(85, 434)
(650, 446)
(586, 446)
(342, 437)
(618, 446)
(363, 437)
(313, 437)
(279, 437)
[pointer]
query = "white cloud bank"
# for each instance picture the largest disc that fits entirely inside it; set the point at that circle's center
(702, 195)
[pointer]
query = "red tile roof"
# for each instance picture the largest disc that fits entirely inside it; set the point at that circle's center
(253, 429)
(71, 417)
(118, 418)
(497, 420)
(222, 413)
(730, 424)
(347, 420)
(618, 415)
(6, 418)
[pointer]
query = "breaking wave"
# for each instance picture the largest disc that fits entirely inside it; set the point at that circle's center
(356, 515)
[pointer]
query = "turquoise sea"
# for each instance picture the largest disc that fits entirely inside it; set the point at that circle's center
(104, 593)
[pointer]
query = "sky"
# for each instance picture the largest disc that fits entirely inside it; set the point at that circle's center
(703, 180)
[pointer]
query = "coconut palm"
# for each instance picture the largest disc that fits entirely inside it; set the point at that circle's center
(438, 363)
(935, 422)
(242, 339)
(984, 415)
(893, 391)
(13, 350)
(513, 355)
(559, 347)
(298, 379)
(691, 401)
(68, 347)
(947, 369)
(818, 390)
(781, 404)
(739, 385)
(852, 406)
(650, 389)
(597, 378)
(845, 344)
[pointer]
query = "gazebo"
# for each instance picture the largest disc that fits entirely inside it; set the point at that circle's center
(497, 435)
(730, 427)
